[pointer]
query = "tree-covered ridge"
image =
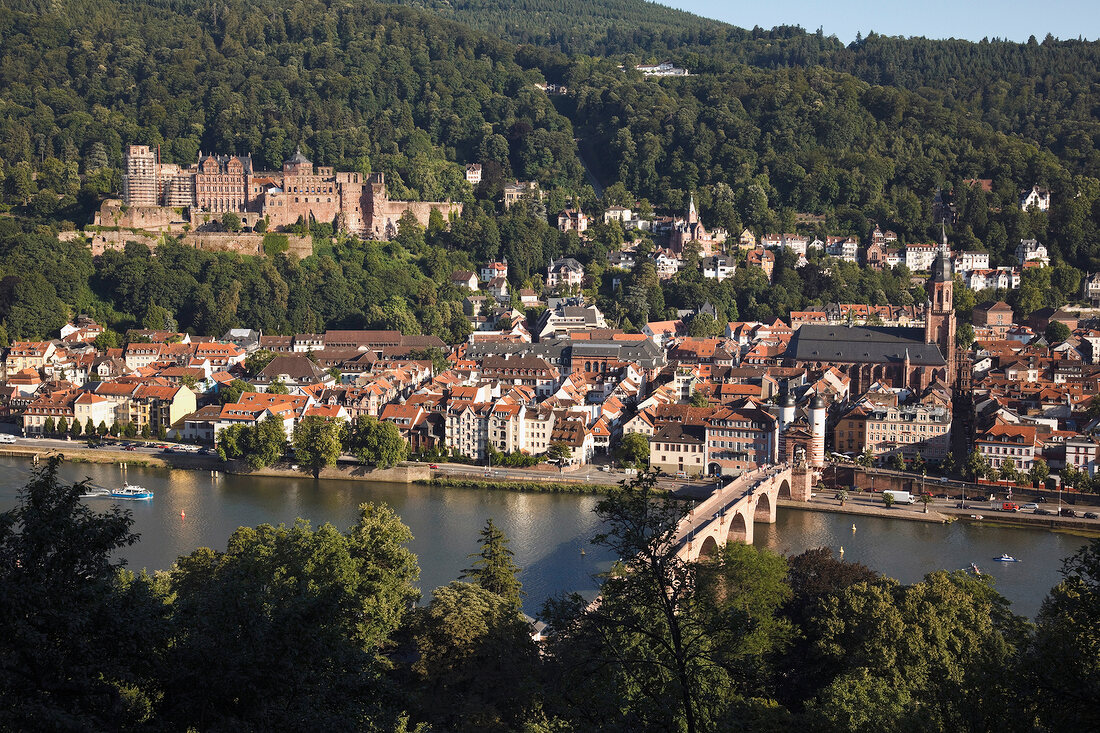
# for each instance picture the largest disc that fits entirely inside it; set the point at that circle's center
(356, 85)
(757, 146)
(567, 25)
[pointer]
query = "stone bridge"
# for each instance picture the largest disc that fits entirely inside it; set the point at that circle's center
(728, 514)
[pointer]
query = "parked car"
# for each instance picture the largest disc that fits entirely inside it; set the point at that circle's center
(1067, 512)
(432, 465)
(1091, 515)
(1043, 511)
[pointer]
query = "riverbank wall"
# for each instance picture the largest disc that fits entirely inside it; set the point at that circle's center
(404, 474)
(545, 487)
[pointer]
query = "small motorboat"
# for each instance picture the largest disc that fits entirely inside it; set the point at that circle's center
(130, 491)
(975, 569)
(979, 517)
(1005, 558)
(94, 493)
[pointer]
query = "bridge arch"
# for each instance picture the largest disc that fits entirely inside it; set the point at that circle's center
(708, 547)
(785, 489)
(714, 469)
(740, 528)
(765, 508)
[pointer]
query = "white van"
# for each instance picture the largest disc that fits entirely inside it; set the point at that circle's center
(7, 438)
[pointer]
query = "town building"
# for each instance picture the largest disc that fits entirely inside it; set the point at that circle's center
(665, 68)
(520, 190)
(1008, 442)
(892, 429)
(1035, 197)
(679, 449)
(565, 272)
(719, 267)
(572, 220)
(919, 257)
(1031, 250)
(996, 317)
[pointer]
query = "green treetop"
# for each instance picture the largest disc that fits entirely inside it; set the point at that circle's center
(316, 442)
(493, 569)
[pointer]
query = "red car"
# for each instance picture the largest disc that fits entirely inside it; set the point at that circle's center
(432, 465)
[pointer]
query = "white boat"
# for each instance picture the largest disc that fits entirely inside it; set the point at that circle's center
(130, 491)
(93, 493)
(1005, 558)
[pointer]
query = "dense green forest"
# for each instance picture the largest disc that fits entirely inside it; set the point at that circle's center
(569, 26)
(771, 123)
(301, 627)
(358, 86)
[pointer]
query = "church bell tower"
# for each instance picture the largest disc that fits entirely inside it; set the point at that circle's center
(939, 323)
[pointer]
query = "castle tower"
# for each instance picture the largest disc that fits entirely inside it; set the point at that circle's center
(817, 432)
(939, 318)
(786, 417)
(139, 176)
(693, 215)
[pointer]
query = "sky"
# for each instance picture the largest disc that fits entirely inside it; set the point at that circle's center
(973, 20)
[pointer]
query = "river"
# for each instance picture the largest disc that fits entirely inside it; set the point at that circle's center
(547, 531)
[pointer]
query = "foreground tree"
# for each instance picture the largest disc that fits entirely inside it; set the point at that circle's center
(286, 628)
(1062, 666)
(638, 659)
(476, 667)
(75, 636)
(936, 655)
(316, 442)
(494, 569)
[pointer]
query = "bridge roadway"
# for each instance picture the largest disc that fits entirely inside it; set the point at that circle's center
(729, 513)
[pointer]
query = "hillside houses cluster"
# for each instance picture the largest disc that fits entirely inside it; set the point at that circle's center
(721, 254)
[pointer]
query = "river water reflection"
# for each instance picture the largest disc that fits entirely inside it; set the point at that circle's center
(547, 531)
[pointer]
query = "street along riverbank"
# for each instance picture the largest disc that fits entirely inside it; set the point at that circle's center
(945, 512)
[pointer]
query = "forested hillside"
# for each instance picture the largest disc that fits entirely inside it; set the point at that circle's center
(356, 85)
(570, 26)
(770, 123)
(757, 146)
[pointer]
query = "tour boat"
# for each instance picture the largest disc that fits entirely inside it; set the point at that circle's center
(1006, 558)
(130, 491)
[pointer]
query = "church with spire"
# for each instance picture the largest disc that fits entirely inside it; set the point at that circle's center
(909, 358)
(691, 230)
(939, 311)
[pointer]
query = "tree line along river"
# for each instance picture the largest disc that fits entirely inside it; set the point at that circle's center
(548, 531)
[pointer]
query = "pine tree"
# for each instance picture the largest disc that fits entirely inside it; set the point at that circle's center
(493, 569)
